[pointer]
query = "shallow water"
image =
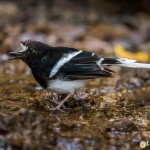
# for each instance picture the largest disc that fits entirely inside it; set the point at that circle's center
(114, 114)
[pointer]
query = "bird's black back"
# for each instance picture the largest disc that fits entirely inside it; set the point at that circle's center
(83, 65)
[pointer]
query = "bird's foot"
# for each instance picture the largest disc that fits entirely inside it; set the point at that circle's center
(60, 104)
(57, 108)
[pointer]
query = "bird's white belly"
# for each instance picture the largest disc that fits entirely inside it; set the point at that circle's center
(65, 87)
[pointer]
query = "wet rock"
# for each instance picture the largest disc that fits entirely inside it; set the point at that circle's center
(122, 125)
(133, 82)
(143, 74)
(24, 129)
(107, 101)
(80, 95)
(69, 144)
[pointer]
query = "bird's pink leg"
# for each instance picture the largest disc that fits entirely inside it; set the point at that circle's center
(58, 107)
(58, 102)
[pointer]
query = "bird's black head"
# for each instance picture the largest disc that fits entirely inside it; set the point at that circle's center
(30, 51)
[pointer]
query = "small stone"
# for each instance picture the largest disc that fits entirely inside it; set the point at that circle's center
(81, 95)
(122, 125)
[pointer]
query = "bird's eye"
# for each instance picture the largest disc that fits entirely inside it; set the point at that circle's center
(30, 50)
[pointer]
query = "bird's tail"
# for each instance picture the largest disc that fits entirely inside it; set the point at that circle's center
(122, 62)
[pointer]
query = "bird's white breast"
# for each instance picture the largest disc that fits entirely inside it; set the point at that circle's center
(65, 87)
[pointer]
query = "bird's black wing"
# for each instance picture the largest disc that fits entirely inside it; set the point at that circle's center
(84, 66)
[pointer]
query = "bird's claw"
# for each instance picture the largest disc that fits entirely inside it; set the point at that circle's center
(60, 104)
(57, 108)
(57, 102)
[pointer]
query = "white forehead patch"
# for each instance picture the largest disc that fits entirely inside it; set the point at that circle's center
(23, 47)
(92, 54)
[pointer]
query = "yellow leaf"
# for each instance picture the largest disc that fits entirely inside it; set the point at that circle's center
(120, 51)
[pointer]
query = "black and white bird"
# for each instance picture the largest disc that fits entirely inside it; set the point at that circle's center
(64, 70)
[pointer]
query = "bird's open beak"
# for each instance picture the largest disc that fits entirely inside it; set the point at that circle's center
(16, 55)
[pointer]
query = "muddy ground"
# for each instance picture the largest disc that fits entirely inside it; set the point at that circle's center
(109, 113)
